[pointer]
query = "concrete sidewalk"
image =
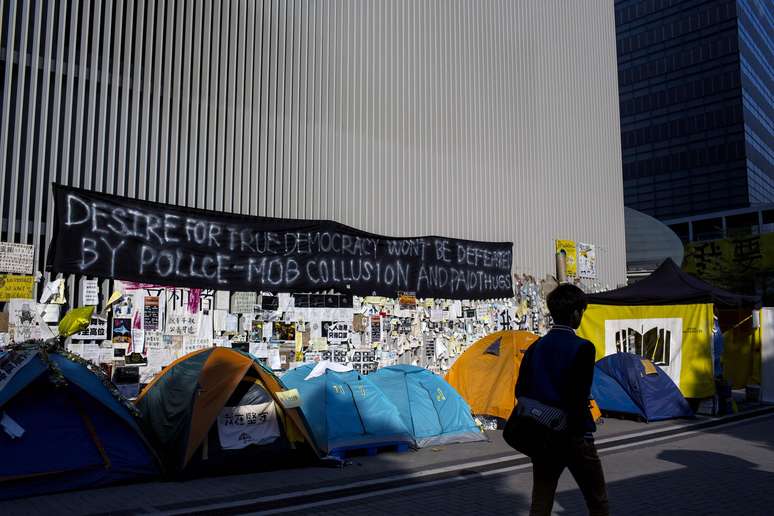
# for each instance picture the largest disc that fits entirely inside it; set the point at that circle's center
(154, 497)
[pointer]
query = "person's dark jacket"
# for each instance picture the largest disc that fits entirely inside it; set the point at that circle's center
(558, 370)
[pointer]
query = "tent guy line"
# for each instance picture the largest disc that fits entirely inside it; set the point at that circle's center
(329, 493)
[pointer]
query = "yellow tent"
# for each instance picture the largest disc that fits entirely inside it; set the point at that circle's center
(485, 374)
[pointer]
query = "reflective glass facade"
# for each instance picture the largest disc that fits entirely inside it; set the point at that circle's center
(696, 109)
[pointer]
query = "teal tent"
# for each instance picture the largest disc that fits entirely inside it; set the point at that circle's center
(431, 409)
(346, 411)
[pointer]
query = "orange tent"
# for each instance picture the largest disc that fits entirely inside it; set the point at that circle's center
(185, 407)
(485, 374)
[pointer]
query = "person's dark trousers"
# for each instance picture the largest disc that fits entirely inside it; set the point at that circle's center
(581, 458)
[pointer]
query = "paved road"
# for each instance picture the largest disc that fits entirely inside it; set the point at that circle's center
(724, 471)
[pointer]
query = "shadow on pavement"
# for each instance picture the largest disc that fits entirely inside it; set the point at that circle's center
(705, 483)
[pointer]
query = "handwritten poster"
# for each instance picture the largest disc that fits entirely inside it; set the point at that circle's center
(182, 322)
(90, 293)
(17, 258)
(243, 302)
(16, 287)
(192, 343)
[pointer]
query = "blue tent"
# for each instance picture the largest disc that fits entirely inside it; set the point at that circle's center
(430, 408)
(629, 384)
(76, 434)
(345, 411)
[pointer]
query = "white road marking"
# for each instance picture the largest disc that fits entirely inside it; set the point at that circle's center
(447, 469)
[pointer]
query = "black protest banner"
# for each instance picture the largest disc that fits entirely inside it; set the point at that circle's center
(109, 236)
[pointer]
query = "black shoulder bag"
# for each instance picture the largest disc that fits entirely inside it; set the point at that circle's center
(534, 428)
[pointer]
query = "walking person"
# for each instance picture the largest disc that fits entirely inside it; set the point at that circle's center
(557, 370)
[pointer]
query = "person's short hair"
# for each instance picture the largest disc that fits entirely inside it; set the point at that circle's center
(564, 300)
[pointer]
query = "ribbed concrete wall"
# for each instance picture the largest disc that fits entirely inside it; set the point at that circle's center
(488, 120)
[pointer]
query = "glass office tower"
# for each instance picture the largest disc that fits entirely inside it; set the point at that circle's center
(695, 83)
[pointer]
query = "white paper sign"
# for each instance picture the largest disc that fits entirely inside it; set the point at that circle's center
(274, 361)
(90, 293)
(222, 342)
(267, 331)
(138, 341)
(25, 321)
(222, 300)
(338, 333)
(259, 349)
(243, 302)
(160, 353)
(231, 323)
(97, 330)
(587, 261)
(17, 258)
(182, 322)
(191, 344)
(242, 426)
(286, 301)
(50, 313)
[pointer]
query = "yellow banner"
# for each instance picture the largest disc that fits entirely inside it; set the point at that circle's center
(677, 338)
(742, 355)
(723, 261)
(571, 253)
(16, 287)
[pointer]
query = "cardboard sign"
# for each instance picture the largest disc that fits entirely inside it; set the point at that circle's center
(16, 287)
(97, 330)
(17, 258)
